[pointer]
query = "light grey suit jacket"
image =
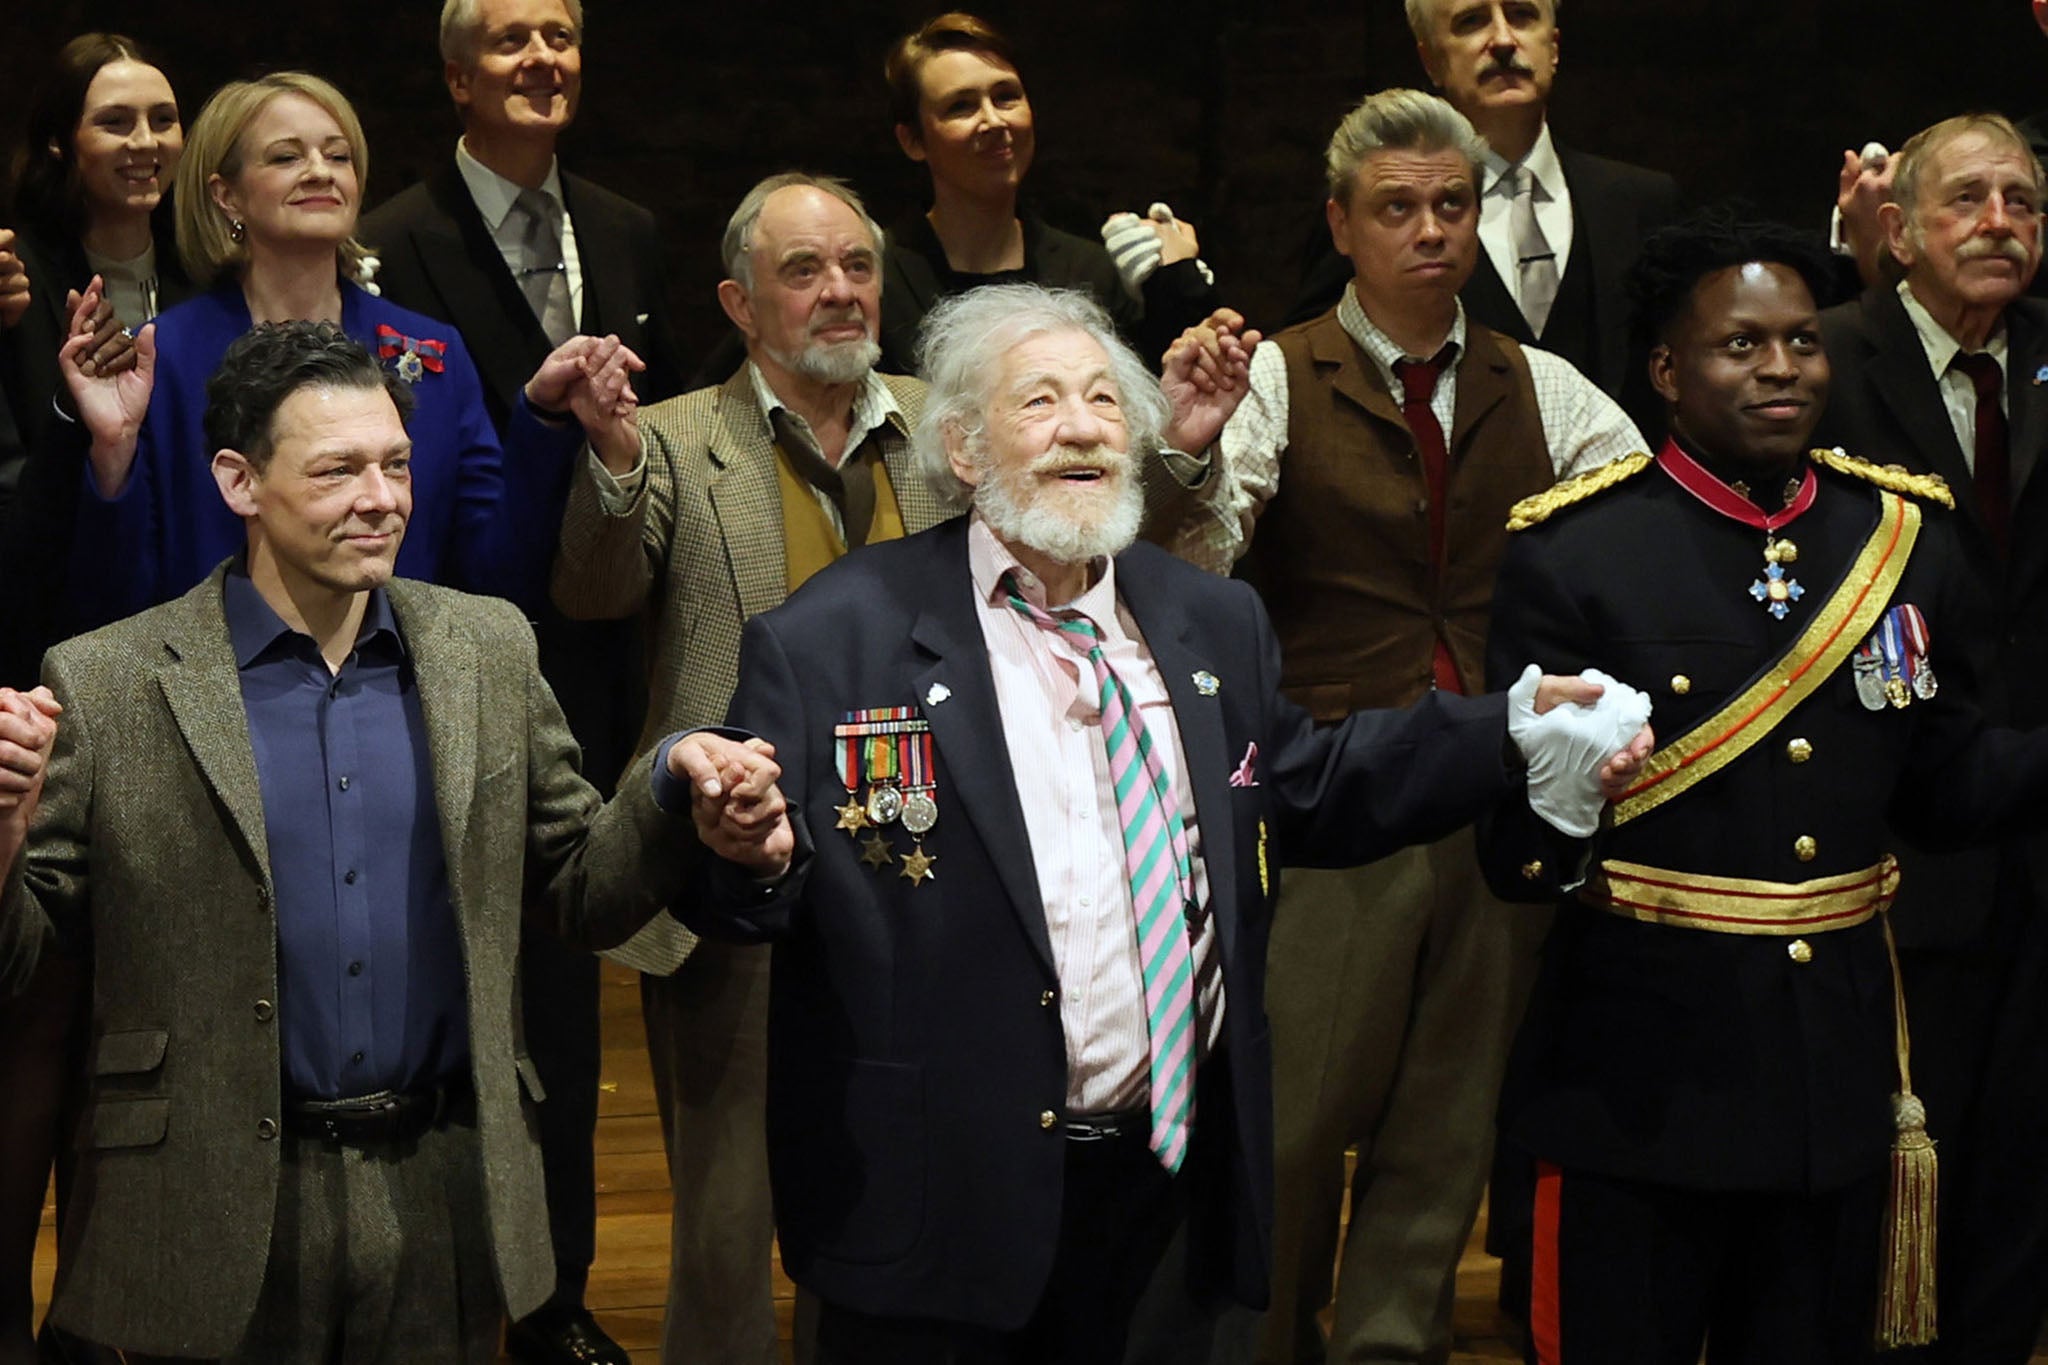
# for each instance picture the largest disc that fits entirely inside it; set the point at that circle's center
(699, 551)
(149, 851)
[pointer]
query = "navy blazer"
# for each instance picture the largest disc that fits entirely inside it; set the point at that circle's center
(914, 1041)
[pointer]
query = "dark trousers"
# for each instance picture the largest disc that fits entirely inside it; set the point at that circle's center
(1628, 1273)
(379, 1255)
(594, 670)
(1119, 1214)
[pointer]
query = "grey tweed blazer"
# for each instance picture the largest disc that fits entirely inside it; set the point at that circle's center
(149, 851)
(699, 550)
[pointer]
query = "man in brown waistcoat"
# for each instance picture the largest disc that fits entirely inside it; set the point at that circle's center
(1406, 432)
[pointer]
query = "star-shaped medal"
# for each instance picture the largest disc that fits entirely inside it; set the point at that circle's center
(875, 851)
(917, 865)
(853, 816)
(1776, 591)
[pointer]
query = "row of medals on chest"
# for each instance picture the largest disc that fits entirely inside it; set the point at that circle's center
(891, 754)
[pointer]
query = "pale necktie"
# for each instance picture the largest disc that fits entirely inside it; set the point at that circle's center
(1534, 258)
(1160, 870)
(542, 276)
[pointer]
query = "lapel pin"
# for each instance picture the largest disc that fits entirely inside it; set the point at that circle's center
(936, 693)
(1205, 683)
(2041, 375)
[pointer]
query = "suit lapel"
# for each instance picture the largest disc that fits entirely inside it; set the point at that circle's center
(967, 731)
(1486, 297)
(1170, 635)
(2027, 413)
(1899, 374)
(202, 686)
(745, 499)
(482, 299)
(602, 256)
(445, 668)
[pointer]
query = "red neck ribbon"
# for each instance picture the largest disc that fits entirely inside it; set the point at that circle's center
(1694, 479)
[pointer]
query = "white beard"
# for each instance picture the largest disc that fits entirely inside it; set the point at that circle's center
(1023, 515)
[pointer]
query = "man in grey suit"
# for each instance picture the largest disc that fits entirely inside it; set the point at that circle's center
(293, 816)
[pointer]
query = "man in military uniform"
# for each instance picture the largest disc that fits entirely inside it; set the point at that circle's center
(1706, 1077)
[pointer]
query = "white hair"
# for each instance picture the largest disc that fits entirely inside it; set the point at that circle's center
(1422, 17)
(959, 354)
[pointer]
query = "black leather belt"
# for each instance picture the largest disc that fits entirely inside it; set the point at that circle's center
(1105, 1127)
(386, 1116)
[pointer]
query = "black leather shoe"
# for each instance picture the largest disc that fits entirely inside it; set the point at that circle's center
(565, 1337)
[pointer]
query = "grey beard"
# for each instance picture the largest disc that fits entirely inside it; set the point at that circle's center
(841, 362)
(1053, 534)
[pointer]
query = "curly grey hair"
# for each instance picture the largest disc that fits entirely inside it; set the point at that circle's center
(960, 348)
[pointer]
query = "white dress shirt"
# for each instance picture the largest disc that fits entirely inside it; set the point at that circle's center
(1958, 393)
(494, 196)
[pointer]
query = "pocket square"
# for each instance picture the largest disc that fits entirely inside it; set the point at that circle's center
(1244, 775)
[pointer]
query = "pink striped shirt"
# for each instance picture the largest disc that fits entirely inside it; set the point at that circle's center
(1045, 688)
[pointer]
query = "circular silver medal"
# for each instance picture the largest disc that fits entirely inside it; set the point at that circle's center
(885, 803)
(920, 812)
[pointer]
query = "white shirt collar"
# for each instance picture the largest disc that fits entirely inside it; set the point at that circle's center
(873, 404)
(493, 193)
(1541, 163)
(1941, 348)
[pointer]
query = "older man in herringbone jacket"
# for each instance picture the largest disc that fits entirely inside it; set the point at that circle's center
(293, 816)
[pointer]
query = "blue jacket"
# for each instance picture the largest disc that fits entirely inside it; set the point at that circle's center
(479, 521)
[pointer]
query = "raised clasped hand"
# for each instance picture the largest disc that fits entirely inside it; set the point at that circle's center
(1584, 740)
(735, 803)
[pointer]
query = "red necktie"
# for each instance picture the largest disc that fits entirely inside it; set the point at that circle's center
(1418, 385)
(1992, 471)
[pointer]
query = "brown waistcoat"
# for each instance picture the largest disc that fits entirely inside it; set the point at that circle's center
(1341, 556)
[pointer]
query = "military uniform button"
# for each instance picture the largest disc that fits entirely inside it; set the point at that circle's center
(1800, 951)
(1804, 848)
(266, 1129)
(1798, 750)
(1680, 684)
(1045, 998)
(1532, 869)
(1046, 1118)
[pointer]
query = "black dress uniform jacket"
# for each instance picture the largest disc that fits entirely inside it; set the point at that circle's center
(1714, 1060)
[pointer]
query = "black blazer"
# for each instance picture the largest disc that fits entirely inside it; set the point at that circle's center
(1614, 206)
(438, 258)
(1885, 405)
(913, 1040)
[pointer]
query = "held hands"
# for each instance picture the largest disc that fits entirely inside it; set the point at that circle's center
(591, 378)
(1583, 738)
(1138, 246)
(1864, 185)
(28, 730)
(738, 809)
(1206, 375)
(14, 282)
(110, 392)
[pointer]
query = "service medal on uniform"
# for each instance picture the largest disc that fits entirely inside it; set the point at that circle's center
(888, 749)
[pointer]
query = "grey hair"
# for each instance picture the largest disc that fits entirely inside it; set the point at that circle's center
(1421, 13)
(737, 245)
(1398, 120)
(1917, 155)
(462, 30)
(959, 350)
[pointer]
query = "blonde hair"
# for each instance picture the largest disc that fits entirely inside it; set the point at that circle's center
(213, 146)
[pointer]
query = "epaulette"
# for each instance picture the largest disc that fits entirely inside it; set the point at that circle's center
(1895, 477)
(1539, 507)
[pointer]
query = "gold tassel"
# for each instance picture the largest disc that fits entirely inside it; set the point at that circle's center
(1905, 1300)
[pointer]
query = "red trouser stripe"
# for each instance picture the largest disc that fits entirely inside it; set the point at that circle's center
(1543, 1288)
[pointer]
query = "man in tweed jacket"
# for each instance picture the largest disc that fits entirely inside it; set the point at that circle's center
(742, 491)
(236, 1206)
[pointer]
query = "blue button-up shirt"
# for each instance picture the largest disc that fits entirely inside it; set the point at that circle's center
(371, 988)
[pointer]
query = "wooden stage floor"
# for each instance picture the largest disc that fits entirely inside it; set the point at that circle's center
(628, 1281)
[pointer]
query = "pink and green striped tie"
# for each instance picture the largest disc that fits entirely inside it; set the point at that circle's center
(1161, 875)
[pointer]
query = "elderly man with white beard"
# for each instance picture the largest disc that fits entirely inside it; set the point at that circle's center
(1043, 784)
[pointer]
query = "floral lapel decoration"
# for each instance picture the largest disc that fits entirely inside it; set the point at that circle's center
(412, 357)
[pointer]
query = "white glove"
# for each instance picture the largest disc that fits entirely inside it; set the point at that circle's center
(1134, 247)
(1566, 746)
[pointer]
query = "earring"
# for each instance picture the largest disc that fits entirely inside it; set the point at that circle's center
(237, 232)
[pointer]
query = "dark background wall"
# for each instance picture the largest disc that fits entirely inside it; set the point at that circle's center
(1220, 108)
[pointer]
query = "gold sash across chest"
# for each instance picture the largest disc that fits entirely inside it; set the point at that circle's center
(1842, 622)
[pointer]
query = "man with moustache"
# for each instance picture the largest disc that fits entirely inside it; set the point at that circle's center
(1941, 371)
(519, 255)
(1404, 430)
(1560, 226)
(295, 817)
(1022, 747)
(1704, 1076)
